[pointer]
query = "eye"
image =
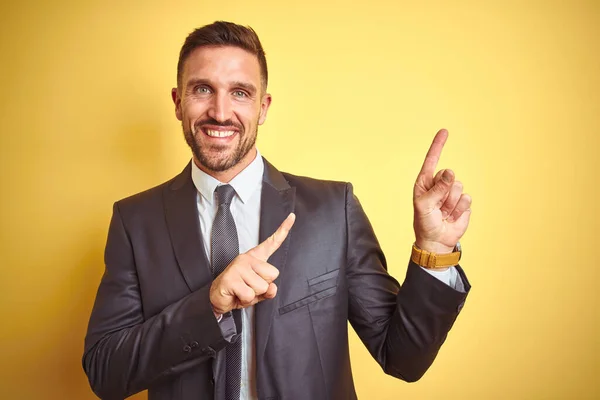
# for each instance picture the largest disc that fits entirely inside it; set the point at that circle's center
(202, 90)
(240, 93)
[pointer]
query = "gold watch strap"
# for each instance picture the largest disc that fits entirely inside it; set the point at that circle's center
(432, 260)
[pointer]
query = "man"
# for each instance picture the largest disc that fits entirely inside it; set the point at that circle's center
(236, 281)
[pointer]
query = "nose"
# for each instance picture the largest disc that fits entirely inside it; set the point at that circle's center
(220, 108)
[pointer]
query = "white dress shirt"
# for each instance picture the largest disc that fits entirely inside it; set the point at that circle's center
(245, 209)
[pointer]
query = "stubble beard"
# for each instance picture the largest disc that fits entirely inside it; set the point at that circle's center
(220, 163)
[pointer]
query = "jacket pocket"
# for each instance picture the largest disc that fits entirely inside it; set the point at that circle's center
(321, 286)
(321, 278)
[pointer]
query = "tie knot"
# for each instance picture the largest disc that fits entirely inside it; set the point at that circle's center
(225, 194)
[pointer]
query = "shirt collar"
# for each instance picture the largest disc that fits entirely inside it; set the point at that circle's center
(244, 183)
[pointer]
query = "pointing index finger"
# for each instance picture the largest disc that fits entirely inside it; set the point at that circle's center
(433, 155)
(265, 249)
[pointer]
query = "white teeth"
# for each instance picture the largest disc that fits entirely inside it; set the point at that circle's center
(212, 133)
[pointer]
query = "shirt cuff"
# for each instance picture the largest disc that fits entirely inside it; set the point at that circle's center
(227, 326)
(450, 277)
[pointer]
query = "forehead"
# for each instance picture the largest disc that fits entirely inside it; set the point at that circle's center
(221, 64)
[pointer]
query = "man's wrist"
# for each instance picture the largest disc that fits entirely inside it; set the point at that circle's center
(434, 247)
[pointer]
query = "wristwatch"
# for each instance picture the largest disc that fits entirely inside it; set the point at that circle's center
(433, 261)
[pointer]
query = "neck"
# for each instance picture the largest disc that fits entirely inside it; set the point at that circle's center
(227, 175)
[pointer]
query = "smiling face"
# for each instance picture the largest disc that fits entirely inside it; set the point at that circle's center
(220, 103)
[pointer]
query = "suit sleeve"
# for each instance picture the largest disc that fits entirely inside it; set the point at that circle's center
(404, 326)
(126, 353)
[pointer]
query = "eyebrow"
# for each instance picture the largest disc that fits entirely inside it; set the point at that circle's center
(238, 84)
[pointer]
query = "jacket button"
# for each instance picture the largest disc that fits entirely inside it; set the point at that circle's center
(187, 348)
(209, 351)
(194, 344)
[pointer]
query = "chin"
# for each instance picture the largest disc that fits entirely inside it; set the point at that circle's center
(216, 163)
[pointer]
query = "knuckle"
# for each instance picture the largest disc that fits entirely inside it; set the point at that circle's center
(274, 272)
(246, 296)
(263, 287)
(224, 280)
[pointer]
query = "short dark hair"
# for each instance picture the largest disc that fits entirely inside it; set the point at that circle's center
(223, 33)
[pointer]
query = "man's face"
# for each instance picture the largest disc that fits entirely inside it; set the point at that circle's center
(220, 104)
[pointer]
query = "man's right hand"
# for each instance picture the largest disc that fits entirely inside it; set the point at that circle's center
(248, 279)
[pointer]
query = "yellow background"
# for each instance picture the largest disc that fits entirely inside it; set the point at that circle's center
(359, 90)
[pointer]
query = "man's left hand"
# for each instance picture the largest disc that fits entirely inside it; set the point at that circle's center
(442, 210)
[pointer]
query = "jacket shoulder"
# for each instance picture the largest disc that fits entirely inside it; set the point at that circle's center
(307, 186)
(149, 198)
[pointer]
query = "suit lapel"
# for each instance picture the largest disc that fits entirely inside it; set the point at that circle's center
(181, 213)
(277, 202)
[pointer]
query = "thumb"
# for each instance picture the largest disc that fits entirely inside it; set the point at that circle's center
(441, 188)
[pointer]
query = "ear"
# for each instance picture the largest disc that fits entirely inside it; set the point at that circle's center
(177, 101)
(265, 103)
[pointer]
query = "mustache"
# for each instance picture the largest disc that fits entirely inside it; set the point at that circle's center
(226, 124)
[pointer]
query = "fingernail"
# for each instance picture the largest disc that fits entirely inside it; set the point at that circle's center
(444, 214)
(447, 176)
(450, 219)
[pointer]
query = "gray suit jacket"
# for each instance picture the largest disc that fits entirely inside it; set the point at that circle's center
(152, 326)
